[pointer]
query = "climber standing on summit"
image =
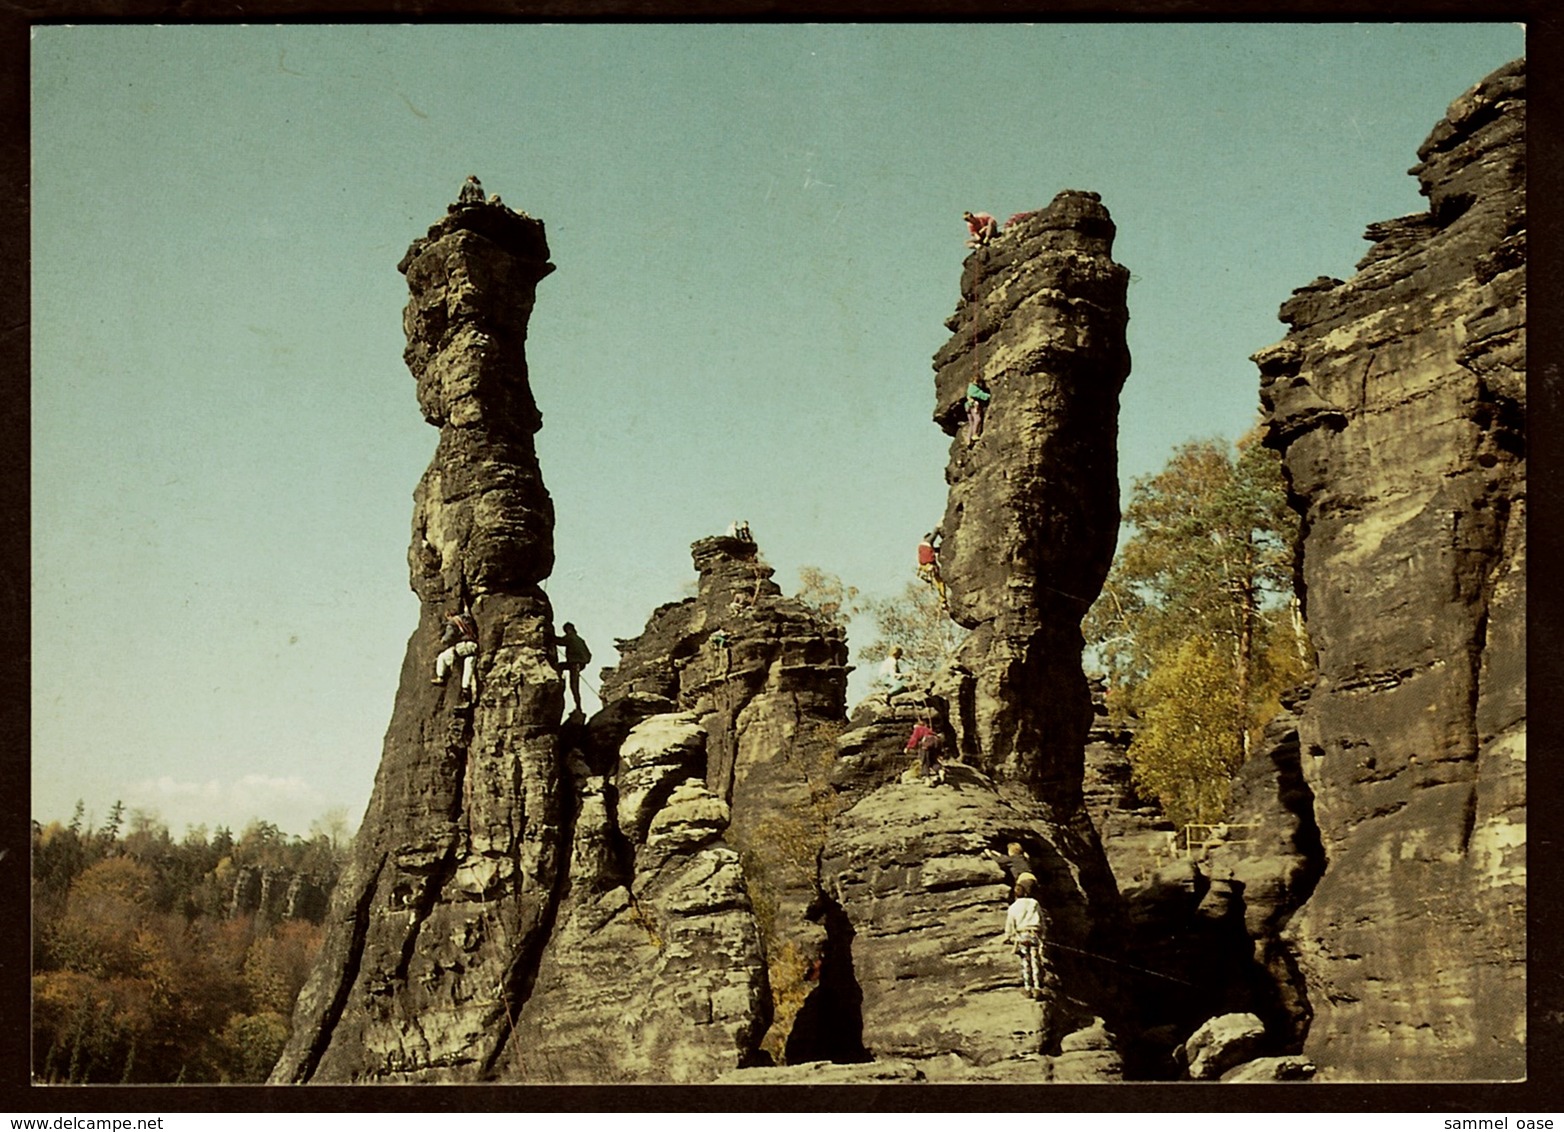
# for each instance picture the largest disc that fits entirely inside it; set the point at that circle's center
(460, 638)
(577, 657)
(981, 229)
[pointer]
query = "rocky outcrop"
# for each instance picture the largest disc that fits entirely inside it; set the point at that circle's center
(910, 874)
(915, 871)
(655, 970)
(451, 890)
(279, 894)
(765, 677)
(1397, 400)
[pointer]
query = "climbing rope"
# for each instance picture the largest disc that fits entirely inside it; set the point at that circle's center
(1119, 963)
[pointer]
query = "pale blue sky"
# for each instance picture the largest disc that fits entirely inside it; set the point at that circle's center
(758, 237)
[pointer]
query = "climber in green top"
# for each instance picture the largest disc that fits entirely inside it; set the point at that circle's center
(977, 398)
(577, 657)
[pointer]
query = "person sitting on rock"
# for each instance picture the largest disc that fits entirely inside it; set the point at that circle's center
(472, 191)
(577, 657)
(981, 229)
(928, 562)
(739, 529)
(460, 638)
(977, 399)
(1023, 931)
(890, 677)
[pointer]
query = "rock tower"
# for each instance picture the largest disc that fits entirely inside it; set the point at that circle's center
(1398, 402)
(450, 894)
(912, 871)
(1033, 509)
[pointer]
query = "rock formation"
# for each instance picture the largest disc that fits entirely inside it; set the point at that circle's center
(450, 894)
(910, 873)
(766, 678)
(1397, 400)
(1033, 511)
(279, 894)
(655, 971)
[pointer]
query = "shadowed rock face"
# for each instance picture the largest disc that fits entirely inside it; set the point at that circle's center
(436, 923)
(1397, 401)
(1033, 508)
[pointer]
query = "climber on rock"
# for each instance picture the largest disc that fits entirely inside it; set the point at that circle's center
(1016, 864)
(459, 635)
(1023, 931)
(739, 529)
(472, 191)
(977, 401)
(577, 657)
(931, 762)
(928, 562)
(981, 228)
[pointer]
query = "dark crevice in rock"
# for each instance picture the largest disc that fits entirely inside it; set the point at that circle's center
(521, 976)
(829, 1026)
(354, 956)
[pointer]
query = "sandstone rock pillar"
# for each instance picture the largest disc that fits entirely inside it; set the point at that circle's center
(437, 922)
(1398, 403)
(1033, 510)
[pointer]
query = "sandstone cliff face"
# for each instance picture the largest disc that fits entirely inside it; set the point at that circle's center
(279, 894)
(655, 971)
(451, 890)
(1397, 400)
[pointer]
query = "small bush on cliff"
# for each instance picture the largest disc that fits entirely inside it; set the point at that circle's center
(1195, 626)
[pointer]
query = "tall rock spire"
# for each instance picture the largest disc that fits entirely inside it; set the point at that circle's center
(1033, 511)
(438, 920)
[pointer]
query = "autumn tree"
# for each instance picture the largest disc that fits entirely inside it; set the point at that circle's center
(141, 973)
(917, 620)
(1195, 625)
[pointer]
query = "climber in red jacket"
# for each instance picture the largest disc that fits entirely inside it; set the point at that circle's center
(928, 562)
(981, 227)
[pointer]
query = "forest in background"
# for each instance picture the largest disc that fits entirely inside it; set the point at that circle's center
(154, 960)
